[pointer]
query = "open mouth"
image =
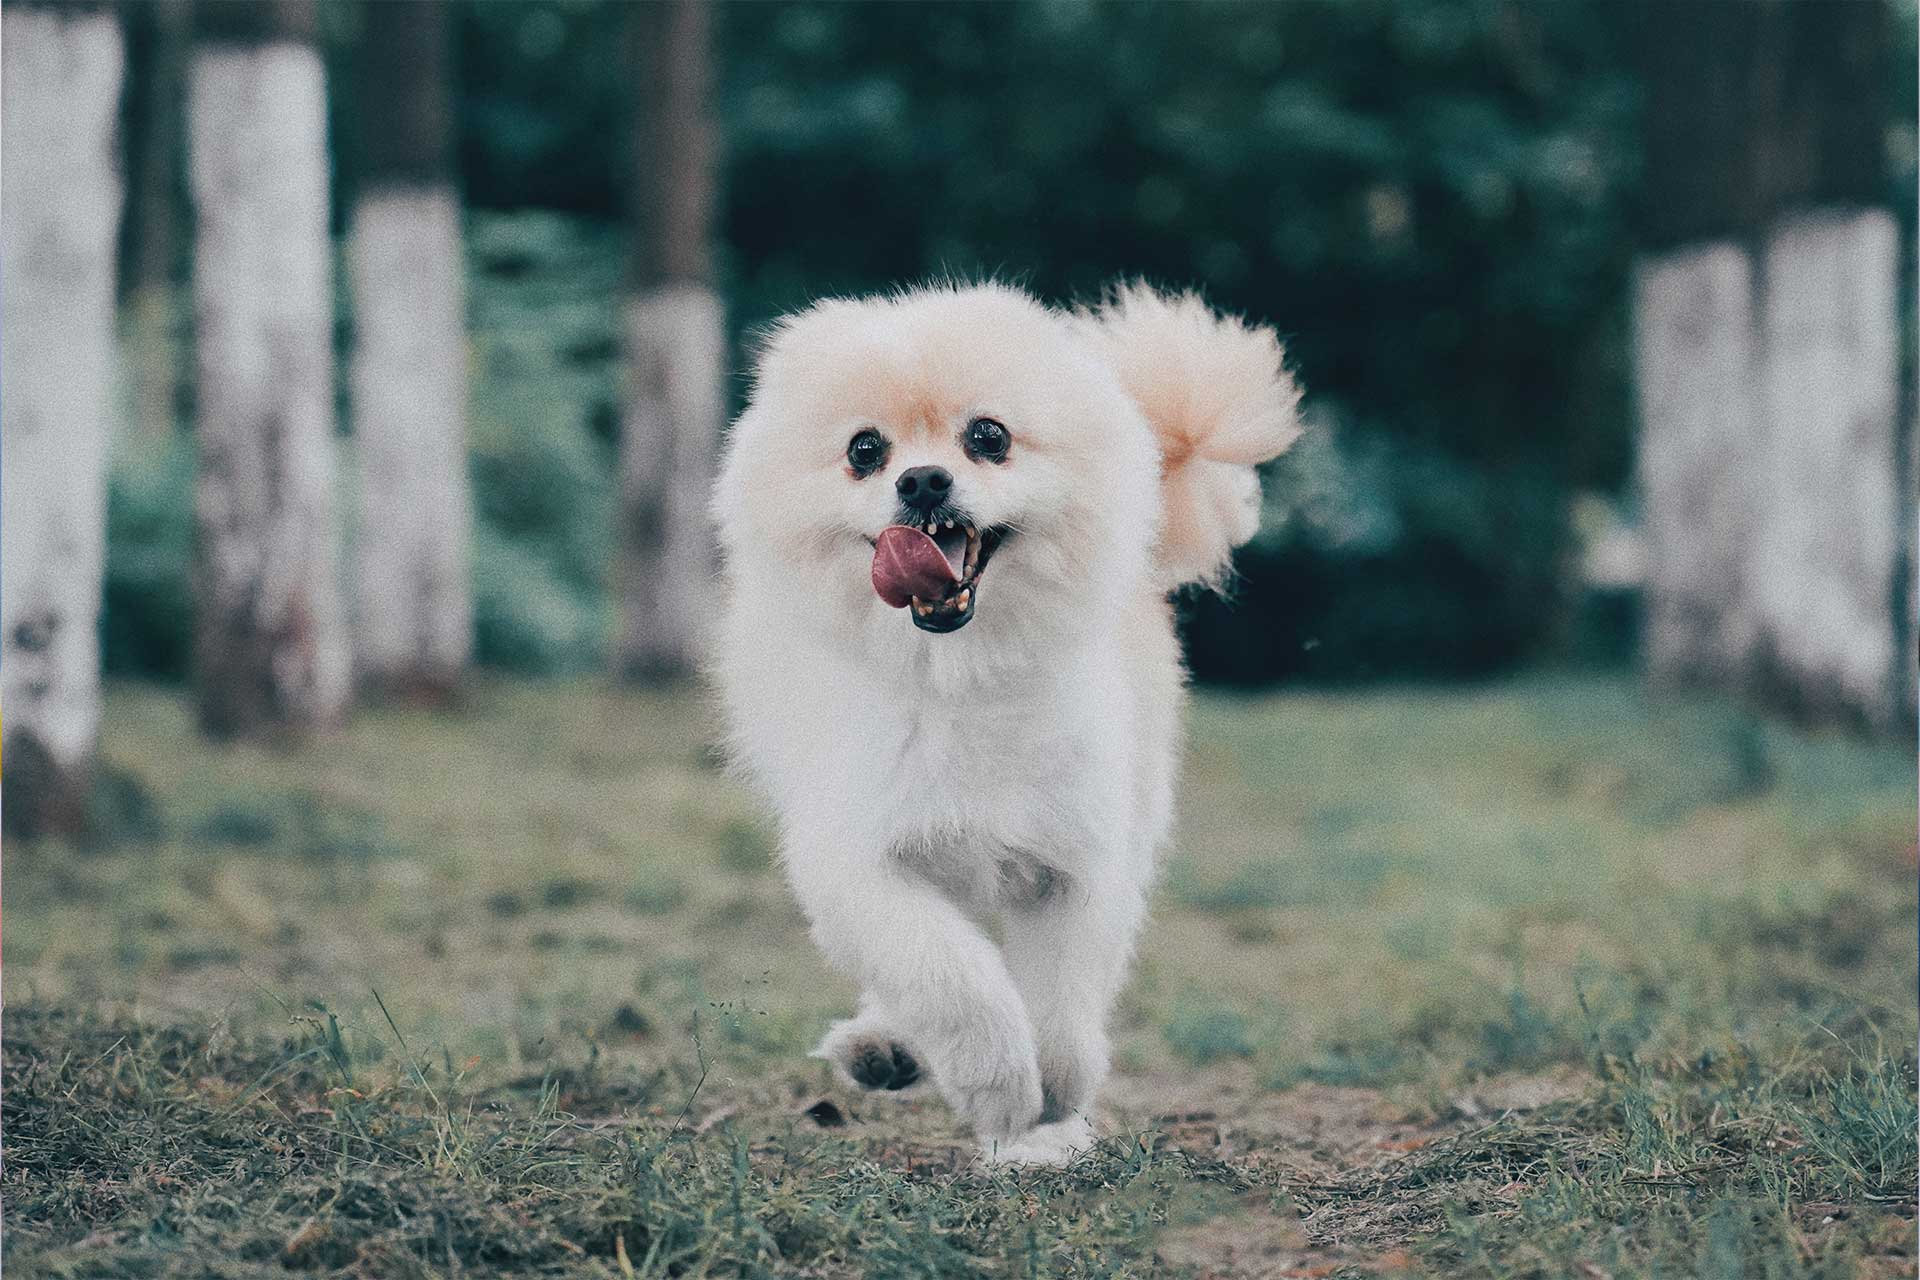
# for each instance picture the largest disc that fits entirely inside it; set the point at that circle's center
(931, 566)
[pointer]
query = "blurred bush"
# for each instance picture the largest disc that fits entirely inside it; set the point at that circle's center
(1379, 557)
(544, 305)
(1428, 198)
(146, 621)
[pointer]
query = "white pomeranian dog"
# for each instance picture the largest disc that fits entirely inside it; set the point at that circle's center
(953, 519)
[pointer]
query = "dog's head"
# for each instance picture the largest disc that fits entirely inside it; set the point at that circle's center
(952, 453)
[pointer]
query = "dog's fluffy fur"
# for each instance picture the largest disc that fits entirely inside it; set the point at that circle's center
(1021, 767)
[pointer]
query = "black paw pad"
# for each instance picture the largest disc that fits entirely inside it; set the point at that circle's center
(905, 1070)
(872, 1067)
(883, 1067)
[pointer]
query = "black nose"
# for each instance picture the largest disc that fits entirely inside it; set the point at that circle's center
(924, 488)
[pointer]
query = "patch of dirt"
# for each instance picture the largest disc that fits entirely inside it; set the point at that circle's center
(1253, 1243)
(1312, 1144)
(1226, 1113)
(1259, 1244)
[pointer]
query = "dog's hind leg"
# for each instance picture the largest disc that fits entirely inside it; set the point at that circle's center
(1068, 952)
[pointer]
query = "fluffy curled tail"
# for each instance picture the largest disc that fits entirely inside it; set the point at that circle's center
(1221, 403)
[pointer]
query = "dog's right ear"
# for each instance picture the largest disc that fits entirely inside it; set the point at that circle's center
(1217, 393)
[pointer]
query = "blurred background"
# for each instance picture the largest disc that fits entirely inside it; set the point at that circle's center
(364, 369)
(1445, 206)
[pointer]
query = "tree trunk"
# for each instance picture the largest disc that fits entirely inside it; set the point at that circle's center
(1906, 586)
(1826, 544)
(676, 350)
(59, 214)
(270, 647)
(1768, 352)
(414, 616)
(153, 224)
(1695, 349)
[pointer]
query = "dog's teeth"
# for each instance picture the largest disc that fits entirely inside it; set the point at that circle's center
(965, 597)
(949, 524)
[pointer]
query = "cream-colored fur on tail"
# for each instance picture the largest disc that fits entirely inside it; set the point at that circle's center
(1220, 402)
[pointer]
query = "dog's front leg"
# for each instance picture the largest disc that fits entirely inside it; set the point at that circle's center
(924, 965)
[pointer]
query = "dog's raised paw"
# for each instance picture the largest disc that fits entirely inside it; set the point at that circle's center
(865, 1052)
(883, 1066)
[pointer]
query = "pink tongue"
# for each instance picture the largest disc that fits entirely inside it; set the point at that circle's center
(906, 563)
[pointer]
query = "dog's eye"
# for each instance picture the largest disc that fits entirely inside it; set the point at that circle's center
(987, 440)
(866, 453)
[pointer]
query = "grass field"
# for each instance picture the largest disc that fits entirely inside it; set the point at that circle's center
(1538, 978)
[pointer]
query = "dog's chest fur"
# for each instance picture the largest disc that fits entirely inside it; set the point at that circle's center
(989, 799)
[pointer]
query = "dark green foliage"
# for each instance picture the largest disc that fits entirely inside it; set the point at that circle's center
(1385, 559)
(544, 303)
(146, 624)
(1427, 198)
(544, 102)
